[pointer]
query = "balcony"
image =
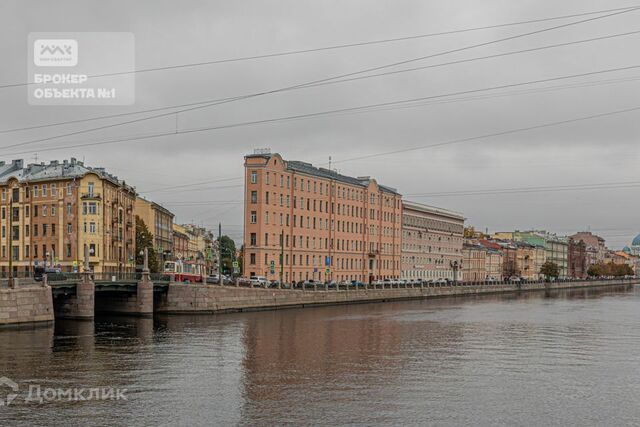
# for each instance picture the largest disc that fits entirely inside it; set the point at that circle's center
(373, 253)
(91, 196)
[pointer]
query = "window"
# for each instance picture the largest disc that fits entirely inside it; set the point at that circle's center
(92, 227)
(26, 211)
(93, 209)
(15, 194)
(68, 208)
(15, 232)
(69, 189)
(254, 217)
(54, 189)
(68, 250)
(26, 249)
(252, 259)
(53, 229)
(90, 189)
(254, 177)
(254, 197)
(44, 190)
(92, 249)
(26, 230)
(35, 191)
(253, 239)
(35, 211)
(44, 210)
(53, 210)
(35, 251)
(4, 194)
(69, 228)
(44, 229)
(35, 232)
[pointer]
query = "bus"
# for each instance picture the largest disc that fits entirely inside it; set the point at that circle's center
(185, 271)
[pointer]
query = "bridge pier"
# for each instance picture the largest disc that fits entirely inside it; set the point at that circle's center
(144, 296)
(79, 306)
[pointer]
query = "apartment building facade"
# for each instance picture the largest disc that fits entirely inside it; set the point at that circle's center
(307, 223)
(49, 214)
(474, 262)
(159, 221)
(432, 241)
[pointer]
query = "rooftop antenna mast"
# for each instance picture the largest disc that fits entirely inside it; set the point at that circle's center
(329, 162)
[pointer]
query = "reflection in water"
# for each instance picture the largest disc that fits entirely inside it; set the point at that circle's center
(558, 358)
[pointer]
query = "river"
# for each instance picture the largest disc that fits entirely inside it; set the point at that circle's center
(565, 358)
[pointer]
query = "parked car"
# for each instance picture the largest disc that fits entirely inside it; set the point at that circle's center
(357, 284)
(213, 279)
(515, 279)
(440, 281)
(259, 281)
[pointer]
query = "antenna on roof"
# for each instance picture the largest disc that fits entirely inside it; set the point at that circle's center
(35, 157)
(329, 162)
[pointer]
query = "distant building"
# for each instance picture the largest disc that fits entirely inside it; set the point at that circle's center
(431, 242)
(51, 213)
(578, 259)
(159, 221)
(474, 263)
(181, 243)
(596, 242)
(495, 259)
(556, 247)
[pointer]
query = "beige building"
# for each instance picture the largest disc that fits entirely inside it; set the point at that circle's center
(302, 222)
(159, 221)
(431, 242)
(51, 212)
(494, 265)
(474, 267)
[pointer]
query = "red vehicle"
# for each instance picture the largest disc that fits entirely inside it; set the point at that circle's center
(185, 271)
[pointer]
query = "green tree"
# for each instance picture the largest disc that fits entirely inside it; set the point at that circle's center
(550, 269)
(144, 239)
(227, 248)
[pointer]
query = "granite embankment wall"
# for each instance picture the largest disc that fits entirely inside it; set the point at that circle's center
(194, 298)
(26, 304)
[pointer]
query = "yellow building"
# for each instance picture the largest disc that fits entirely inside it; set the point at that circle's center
(159, 221)
(51, 212)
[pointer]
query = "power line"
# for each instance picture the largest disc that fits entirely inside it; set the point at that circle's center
(326, 79)
(340, 46)
(395, 72)
(537, 189)
(329, 112)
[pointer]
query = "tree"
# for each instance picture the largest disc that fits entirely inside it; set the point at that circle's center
(144, 239)
(550, 269)
(595, 270)
(227, 248)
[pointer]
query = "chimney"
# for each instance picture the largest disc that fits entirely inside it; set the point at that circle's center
(17, 163)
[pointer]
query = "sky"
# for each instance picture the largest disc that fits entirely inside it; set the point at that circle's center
(198, 175)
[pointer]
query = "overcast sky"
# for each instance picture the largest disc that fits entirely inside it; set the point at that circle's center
(603, 150)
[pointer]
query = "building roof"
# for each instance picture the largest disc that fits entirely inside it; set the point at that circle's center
(309, 169)
(432, 209)
(67, 169)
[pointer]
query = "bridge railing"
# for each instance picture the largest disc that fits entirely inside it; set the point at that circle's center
(107, 277)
